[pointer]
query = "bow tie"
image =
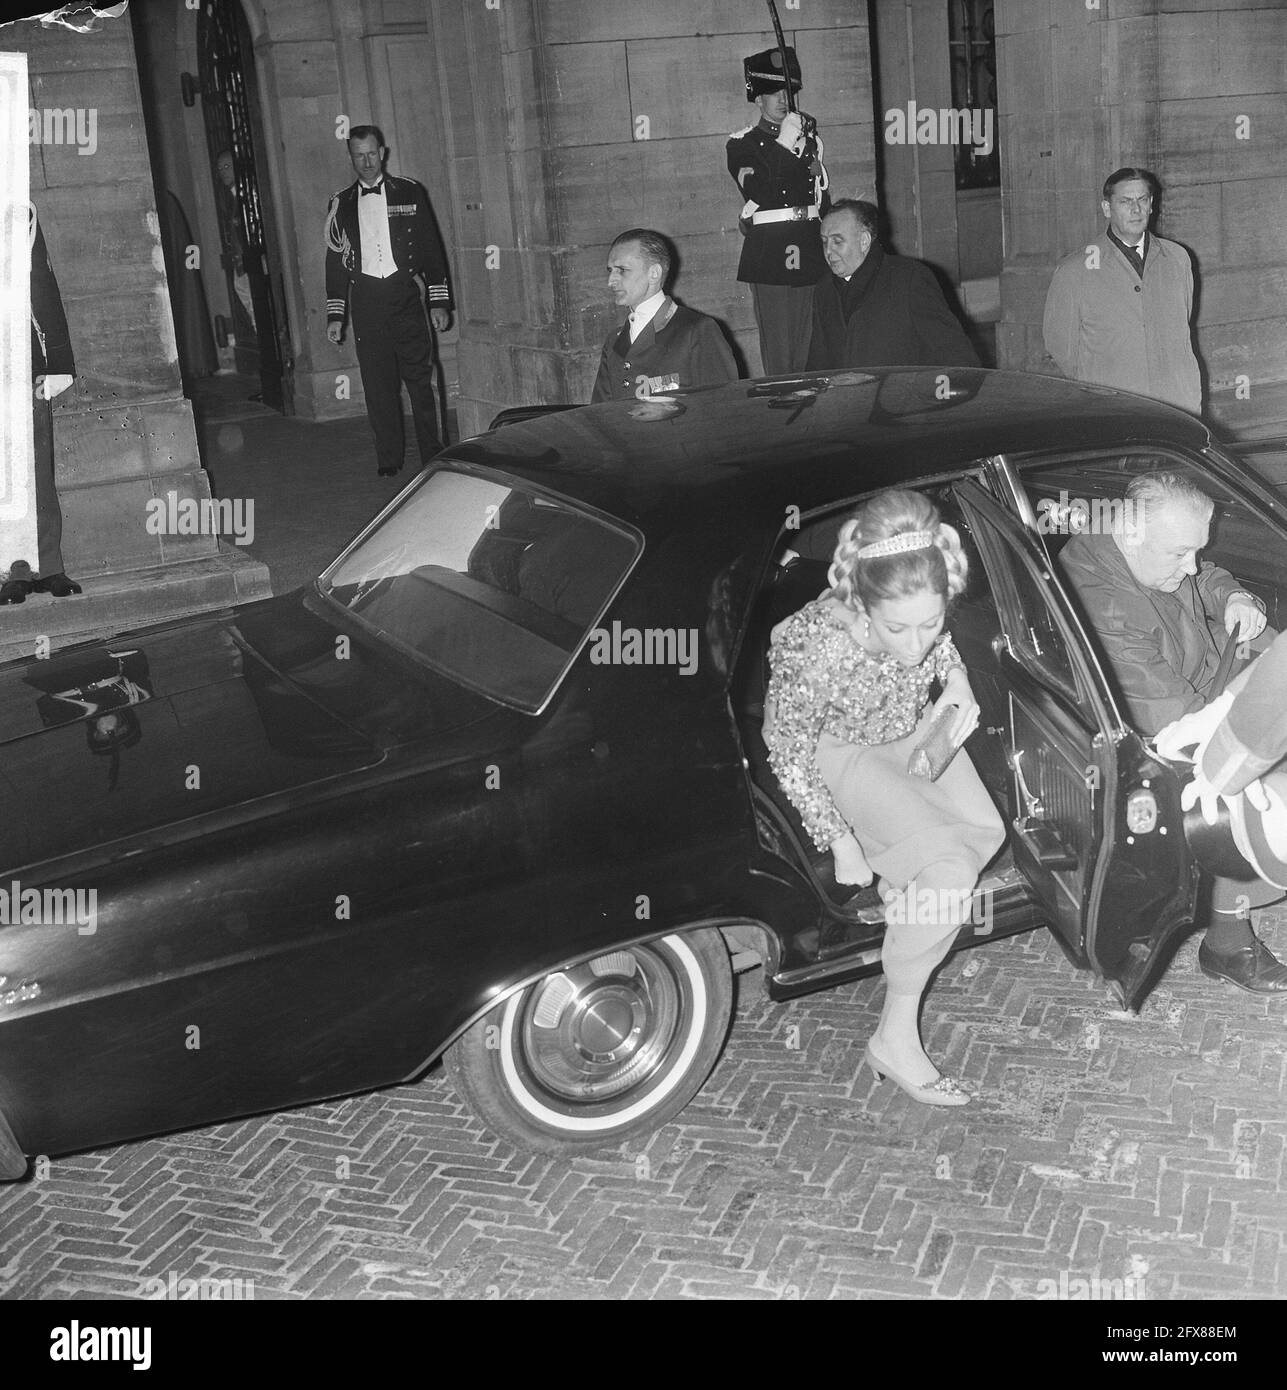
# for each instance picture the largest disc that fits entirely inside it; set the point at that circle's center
(373, 188)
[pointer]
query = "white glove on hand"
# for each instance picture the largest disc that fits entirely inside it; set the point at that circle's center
(1189, 729)
(791, 134)
(1200, 792)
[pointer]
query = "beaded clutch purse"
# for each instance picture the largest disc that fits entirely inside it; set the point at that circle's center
(933, 753)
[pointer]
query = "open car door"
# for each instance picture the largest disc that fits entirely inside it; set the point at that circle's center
(1097, 830)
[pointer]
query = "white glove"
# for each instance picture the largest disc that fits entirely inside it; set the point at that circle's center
(1200, 792)
(823, 178)
(1189, 729)
(791, 134)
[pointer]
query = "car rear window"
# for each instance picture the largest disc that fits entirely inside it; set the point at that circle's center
(487, 581)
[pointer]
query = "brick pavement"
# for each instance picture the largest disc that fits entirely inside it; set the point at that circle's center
(1148, 1151)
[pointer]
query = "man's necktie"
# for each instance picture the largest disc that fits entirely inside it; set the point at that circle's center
(1131, 253)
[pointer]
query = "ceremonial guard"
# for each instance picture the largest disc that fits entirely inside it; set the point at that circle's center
(777, 164)
(380, 236)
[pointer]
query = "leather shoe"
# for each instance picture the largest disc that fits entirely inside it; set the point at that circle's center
(57, 584)
(15, 591)
(387, 472)
(1254, 968)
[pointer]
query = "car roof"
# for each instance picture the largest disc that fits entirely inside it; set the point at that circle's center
(799, 441)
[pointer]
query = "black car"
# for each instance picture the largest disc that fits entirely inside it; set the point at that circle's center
(493, 787)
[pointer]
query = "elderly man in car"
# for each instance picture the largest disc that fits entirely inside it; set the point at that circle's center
(1154, 607)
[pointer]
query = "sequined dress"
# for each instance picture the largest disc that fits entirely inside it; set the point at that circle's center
(841, 731)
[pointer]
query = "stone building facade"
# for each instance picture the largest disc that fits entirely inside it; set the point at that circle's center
(543, 127)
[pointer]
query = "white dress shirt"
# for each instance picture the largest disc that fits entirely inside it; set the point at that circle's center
(643, 314)
(373, 225)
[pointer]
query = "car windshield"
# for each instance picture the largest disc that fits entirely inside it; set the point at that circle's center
(489, 582)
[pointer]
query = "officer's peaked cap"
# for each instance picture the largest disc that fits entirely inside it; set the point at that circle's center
(764, 72)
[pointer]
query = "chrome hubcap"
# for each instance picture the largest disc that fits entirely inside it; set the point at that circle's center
(597, 1030)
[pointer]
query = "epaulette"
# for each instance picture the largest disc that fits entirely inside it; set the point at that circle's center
(737, 134)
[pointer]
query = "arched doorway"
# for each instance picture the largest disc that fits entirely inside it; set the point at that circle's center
(250, 255)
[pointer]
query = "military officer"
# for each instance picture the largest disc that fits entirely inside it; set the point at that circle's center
(778, 167)
(380, 235)
(663, 346)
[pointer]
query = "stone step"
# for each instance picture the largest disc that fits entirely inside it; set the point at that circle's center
(127, 599)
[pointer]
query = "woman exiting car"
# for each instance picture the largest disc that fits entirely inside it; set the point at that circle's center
(848, 706)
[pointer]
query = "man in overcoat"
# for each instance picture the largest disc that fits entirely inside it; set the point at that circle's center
(878, 310)
(1118, 309)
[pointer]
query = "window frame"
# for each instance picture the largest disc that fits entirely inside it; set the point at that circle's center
(513, 482)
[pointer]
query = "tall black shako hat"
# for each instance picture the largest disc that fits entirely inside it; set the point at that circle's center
(763, 72)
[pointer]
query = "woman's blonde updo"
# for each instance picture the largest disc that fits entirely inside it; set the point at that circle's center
(941, 567)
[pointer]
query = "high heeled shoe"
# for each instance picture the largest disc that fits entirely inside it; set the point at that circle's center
(947, 1090)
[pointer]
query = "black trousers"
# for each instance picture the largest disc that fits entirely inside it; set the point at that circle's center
(391, 332)
(49, 516)
(784, 316)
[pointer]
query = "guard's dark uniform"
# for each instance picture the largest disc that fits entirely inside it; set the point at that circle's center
(676, 349)
(781, 256)
(389, 324)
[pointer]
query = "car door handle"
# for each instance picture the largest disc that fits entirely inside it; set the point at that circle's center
(1032, 804)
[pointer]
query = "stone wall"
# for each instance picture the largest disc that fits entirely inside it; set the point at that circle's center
(1222, 88)
(124, 424)
(1191, 89)
(123, 432)
(571, 120)
(957, 232)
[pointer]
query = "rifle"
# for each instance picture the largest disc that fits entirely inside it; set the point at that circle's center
(807, 123)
